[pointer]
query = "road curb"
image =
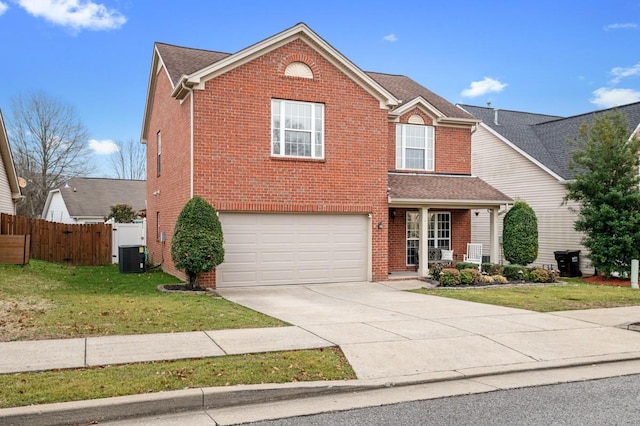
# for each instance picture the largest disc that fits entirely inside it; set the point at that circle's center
(126, 407)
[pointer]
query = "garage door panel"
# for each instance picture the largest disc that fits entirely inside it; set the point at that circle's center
(310, 257)
(239, 276)
(267, 249)
(239, 258)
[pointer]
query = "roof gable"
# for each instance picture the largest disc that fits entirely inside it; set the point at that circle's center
(188, 69)
(181, 61)
(407, 91)
(544, 137)
(93, 197)
(297, 32)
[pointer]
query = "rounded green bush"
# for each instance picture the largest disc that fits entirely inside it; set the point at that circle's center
(514, 272)
(520, 234)
(539, 275)
(449, 277)
(197, 244)
(468, 276)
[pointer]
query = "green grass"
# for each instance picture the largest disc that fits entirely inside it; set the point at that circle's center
(90, 383)
(45, 300)
(549, 298)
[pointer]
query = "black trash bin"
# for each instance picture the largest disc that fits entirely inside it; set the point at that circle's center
(568, 263)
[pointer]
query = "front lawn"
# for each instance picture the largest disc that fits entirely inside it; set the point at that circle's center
(573, 295)
(45, 300)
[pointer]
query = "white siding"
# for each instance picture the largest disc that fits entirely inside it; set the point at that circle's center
(515, 175)
(6, 202)
(57, 211)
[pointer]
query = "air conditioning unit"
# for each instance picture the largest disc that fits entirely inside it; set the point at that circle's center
(131, 258)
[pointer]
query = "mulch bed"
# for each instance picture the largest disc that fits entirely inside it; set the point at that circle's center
(183, 288)
(613, 281)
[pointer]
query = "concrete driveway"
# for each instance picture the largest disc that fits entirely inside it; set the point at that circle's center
(390, 334)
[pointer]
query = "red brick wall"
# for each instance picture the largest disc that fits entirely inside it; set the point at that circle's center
(398, 242)
(172, 119)
(460, 232)
(233, 166)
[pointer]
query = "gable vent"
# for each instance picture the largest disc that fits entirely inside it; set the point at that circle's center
(298, 69)
(415, 119)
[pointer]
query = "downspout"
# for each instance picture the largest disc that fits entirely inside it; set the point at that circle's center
(191, 127)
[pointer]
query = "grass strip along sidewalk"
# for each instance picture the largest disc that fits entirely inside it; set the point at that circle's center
(50, 301)
(23, 389)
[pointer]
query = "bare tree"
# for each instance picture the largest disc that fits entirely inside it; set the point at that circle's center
(130, 161)
(50, 144)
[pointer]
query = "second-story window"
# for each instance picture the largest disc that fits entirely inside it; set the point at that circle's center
(414, 147)
(158, 151)
(297, 129)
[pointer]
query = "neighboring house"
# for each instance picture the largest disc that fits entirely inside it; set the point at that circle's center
(527, 156)
(89, 200)
(9, 186)
(320, 172)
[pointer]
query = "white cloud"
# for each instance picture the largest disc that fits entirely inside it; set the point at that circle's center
(608, 98)
(104, 147)
(3, 7)
(390, 37)
(482, 87)
(77, 14)
(623, 26)
(620, 72)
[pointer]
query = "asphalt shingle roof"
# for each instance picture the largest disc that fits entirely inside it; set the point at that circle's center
(406, 89)
(181, 61)
(426, 187)
(95, 196)
(544, 137)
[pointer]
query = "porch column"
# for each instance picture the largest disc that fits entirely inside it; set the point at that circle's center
(493, 235)
(424, 245)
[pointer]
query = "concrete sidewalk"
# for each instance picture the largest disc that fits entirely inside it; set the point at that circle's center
(389, 336)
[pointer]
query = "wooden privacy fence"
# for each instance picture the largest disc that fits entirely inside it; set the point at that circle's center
(87, 245)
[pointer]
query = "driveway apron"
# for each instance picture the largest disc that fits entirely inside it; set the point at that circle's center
(388, 333)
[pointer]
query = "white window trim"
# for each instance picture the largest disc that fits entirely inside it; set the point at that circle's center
(314, 130)
(429, 147)
(158, 153)
(407, 239)
(435, 239)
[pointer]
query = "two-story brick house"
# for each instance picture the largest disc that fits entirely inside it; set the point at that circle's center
(320, 172)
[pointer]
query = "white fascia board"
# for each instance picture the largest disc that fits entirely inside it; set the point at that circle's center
(523, 153)
(421, 103)
(454, 204)
(156, 61)
(636, 132)
(439, 118)
(9, 165)
(47, 203)
(298, 31)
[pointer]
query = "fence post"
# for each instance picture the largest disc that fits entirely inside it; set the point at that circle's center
(634, 273)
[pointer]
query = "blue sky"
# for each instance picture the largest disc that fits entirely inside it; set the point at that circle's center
(560, 57)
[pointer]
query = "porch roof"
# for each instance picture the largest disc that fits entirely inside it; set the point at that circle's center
(450, 191)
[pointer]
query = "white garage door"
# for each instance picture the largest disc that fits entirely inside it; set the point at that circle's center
(271, 249)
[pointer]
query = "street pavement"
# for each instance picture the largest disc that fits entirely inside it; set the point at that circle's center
(389, 336)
